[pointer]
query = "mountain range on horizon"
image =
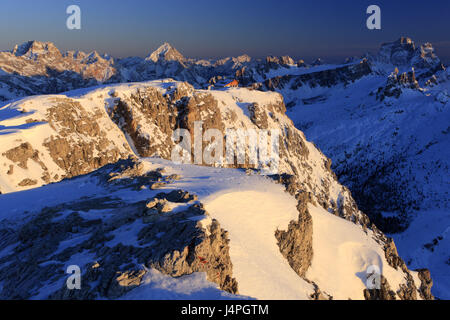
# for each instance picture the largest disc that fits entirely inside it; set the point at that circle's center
(168, 51)
(87, 178)
(75, 69)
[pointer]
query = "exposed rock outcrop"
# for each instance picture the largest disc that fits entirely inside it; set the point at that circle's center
(396, 83)
(426, 284)
(296, 242)
(384, 293)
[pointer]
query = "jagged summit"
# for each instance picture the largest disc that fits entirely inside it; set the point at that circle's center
(398, 52)
(33, 49)
(404, 53)
(94, 57)
(407, 41)
(166, 53)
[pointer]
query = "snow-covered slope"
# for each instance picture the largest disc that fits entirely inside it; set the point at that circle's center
(392, 154)
(100, 223)
(387, 133)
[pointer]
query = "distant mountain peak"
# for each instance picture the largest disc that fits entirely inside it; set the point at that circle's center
(243, 58)
(405, 41)
(32, 49)
(166, 52)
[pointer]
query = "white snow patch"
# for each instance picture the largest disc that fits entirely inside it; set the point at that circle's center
(342, 254)
(258, 265)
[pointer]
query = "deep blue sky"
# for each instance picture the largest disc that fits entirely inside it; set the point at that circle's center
(331, 29)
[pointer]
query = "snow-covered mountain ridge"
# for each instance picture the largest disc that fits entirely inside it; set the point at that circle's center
(120, 223)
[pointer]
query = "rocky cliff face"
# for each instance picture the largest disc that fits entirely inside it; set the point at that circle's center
(149, 116)
(49, 139)
(323, 78)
